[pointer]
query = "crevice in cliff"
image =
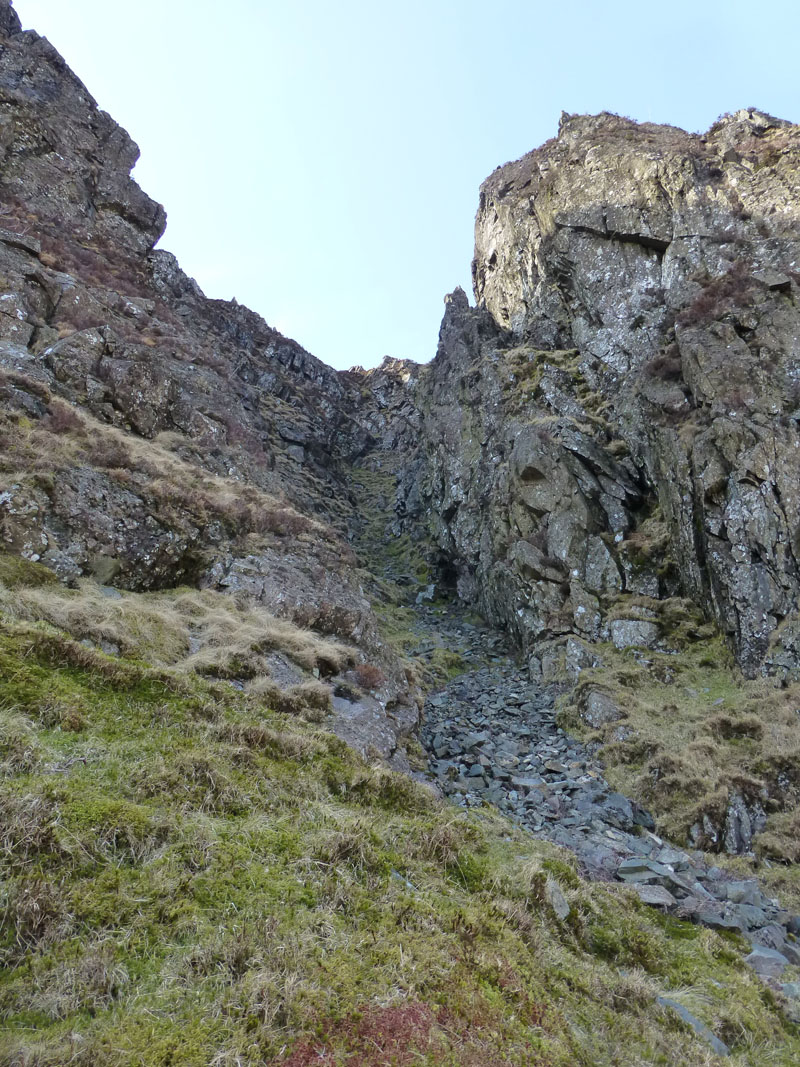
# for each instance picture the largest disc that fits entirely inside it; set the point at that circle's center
(647, 241)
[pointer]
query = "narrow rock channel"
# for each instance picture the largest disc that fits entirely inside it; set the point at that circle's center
(492, 737)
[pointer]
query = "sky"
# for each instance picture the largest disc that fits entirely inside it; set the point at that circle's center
(320, 161)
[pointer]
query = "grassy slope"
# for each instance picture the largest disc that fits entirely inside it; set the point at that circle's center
(696, 731)
(191, 878)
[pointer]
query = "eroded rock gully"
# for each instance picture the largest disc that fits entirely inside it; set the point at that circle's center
(633, 353)
(491, 736)
(605, 444)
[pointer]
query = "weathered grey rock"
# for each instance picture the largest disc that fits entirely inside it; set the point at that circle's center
(700, 911)
(791, 950)
(674, 858)
(741, 822)
(597, 708)
(578, 657)
(642, 817)
(546, 427)
(771, 935)
(527, 783)
(645, 273)
(636, 866)
(618, 810)
(633, 633)
(696, 1024)
(554, 895)
(655, 895)
(9, 20)
(754, 917)
(746, 892)
(767, 962)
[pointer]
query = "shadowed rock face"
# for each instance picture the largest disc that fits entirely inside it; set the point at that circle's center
(61, 156)
(630, 377)
(94, 315)
(9, 20)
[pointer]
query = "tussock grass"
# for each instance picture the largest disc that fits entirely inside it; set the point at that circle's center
(191, 630)
(19, 746)
(194, 878)
(311, 700)
(695, 731)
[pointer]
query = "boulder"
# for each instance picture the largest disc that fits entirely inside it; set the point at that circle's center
(597, 708)
(767, 962)
(634, 633)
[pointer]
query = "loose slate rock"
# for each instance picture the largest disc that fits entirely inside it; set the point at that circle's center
(767, 961)
(554, 896)
(679, 861)
(743, 893)
(709, 916)
(655, 895)
(696, 1024)
(514, 755)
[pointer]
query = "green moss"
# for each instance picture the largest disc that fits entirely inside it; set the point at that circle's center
(16, 572)
(192, 878)
(562, 870)
(445, 664)
(397, 625)
(102, 822)
(469, 870)
(387, 555)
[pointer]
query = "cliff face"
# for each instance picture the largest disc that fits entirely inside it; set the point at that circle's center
(617, 420)
(153, 438)
(611, 431)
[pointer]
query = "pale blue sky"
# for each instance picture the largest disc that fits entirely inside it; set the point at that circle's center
(320, 161)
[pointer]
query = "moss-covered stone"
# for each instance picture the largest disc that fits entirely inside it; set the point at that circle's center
(17, 572)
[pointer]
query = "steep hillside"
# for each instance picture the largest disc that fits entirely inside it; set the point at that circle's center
(153, 438)
(239, 592)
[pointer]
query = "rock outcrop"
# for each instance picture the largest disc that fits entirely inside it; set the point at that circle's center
(151, 437)
(618, 416)
(612, 431)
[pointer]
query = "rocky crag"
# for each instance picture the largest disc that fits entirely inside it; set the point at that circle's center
(633, 351)
(604, 449)
(220, 543)
(209, 450)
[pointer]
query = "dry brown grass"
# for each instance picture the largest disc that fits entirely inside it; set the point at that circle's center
(69, 437)
(91, 984)
(720, 295)
(19, 748)
(310, 700)
(191, 630)
(698, 731)
(63, 418)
